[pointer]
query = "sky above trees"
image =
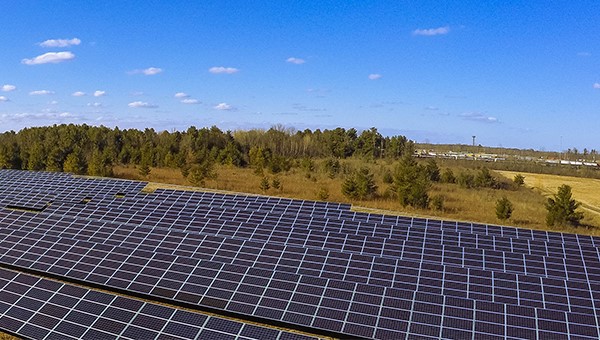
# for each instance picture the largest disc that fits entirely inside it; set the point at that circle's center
(515, 74)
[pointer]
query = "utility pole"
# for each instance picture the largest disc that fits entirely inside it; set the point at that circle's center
(474, 140)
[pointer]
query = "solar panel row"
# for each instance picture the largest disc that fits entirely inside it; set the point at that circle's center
(39, 308)
(87, 262)
(290, 258)
(309, 264)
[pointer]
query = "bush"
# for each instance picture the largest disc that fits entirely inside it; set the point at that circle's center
(387, 177)
(323, 194)
(332, 167)
(448, 176)
(276, 183)
(360, 185)
(466, 179)
(562, 208)
(144, 170)
(437, 202)
(504, 209)
(519, 180)
(264, 184)
(485, 179)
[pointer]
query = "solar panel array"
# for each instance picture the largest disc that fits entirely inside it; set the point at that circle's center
(305, 265)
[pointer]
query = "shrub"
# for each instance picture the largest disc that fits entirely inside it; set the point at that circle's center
(504, 209)
(360, 185)
(448, 176)
(519, 180)
(332, 167)
(466, 179)
(485, 179)
(323, 194)
(437, 202)
(387, 177)
(264, 184)
(276, 183)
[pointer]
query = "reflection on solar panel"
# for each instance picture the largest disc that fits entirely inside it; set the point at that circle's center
(311, 266)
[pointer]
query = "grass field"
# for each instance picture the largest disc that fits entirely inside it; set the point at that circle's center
(585, 190)
(461, 204)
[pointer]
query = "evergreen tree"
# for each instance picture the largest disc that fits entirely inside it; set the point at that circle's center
(74, 163)
(504, 209)
(448, 176)
(485, 179)
(360, 185)
(411, 183)
(199, 173)
(519, 180)
(562, 208)
(144, 169)
(264, 184)
(433, 171)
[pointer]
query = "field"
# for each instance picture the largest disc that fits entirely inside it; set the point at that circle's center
(585, 190)
(461, 204)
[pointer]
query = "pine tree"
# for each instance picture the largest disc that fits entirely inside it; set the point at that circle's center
(411, 183)
(504, 209)
(74, 163)
(264, 184)
(562, 208)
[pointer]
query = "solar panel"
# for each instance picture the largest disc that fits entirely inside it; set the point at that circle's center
(302, 264)
(39, 308)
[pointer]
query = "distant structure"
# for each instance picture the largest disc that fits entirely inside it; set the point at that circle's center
(474, 140)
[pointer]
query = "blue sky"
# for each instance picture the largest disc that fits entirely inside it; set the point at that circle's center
(514, 73)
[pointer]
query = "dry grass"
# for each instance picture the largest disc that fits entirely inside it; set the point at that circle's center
(585, 190)
(460, 204)
(6, 336)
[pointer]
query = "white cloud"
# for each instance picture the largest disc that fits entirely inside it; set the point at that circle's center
(584, 54)
(190, 101)
(40, 92)
(142, 105)
(479, 117)
(375, 76)
(596, 85)
(8, 88)
(99, 93)
(223, 107)
(181, 95)
(50, 57)
(60, 42)
(3, 99)
(432, 31)
(54, 102)
(50, 116)
(94, 104)
(150, 71)
(296, 61)
(223, 70)
(78, 94)
(431, 108)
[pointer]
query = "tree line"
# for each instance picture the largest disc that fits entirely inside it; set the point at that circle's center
(93, 150)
